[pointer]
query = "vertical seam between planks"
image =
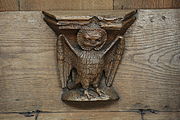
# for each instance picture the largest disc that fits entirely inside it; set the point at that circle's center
(19, 5)
(113, 4)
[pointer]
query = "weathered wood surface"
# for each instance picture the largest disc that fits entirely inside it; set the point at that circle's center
(147, 78)
(176, 4)
(65, 4)
(14, 116)
(7, 5)
(162, 116)
(90, 116)
(131, 4)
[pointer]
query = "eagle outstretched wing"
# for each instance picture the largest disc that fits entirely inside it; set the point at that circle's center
(66, 56)
(113, 55)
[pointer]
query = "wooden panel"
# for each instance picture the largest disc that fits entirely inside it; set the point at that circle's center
(16, 117)
(163, 116)
(176, 3)
(65, 4)
(28, 65)
(6, 5)
(147, 78)
(90, 116)
(126, 4)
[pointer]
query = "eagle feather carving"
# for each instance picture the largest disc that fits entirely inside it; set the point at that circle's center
(85, 63)
(89, 51)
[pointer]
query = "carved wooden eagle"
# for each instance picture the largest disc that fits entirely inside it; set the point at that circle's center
(90, 53)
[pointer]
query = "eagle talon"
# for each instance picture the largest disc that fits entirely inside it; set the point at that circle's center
(99, 92)
(89, 95)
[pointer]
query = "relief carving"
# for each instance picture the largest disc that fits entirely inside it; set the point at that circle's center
(89, 51)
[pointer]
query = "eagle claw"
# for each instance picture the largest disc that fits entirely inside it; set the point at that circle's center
(89, 95)
(99, 92)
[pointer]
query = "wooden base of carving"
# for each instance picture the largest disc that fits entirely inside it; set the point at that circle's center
(78, 96)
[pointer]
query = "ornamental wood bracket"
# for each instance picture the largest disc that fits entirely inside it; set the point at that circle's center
(90, 46)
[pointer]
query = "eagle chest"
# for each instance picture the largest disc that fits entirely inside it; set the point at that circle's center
(89, 63)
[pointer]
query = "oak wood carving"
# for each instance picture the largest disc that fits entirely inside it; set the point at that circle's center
(89, 50)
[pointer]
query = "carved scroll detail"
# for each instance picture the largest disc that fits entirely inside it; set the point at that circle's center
(89, 55)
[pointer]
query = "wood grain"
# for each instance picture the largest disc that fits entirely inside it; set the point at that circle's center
(90, 116)
(15, 5)
(176, 3)
(129, 4)
(8, 5)
(65, 4)
(14, 116)
(163, 116)
(148, 77)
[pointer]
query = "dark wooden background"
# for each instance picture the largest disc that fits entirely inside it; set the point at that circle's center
(9, 5)
(148, 80)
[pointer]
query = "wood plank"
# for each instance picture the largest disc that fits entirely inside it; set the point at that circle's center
(135, 4)
(147, 78)
(90, 116)
(8, 5)
(93, 116)
(28, 68)
(176, 3)
(167, 4)
(65, 4)
(16, 117)
(151, 65)
(157, 4)
(163, 116)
